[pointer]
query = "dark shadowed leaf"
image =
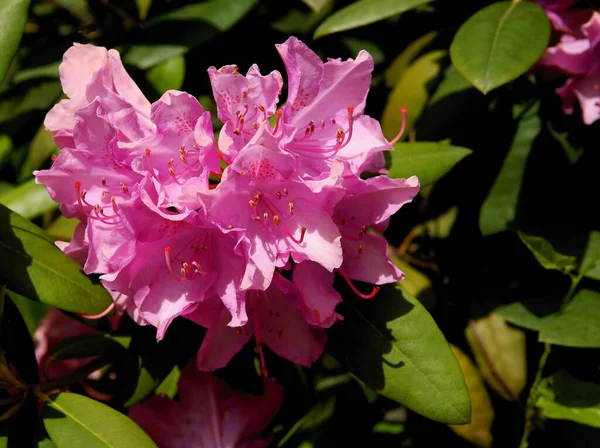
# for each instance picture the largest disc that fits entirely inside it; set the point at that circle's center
(563, 397)
(500, 207)
(364, 12)
(590, 266)
(318, 415)
(393, 345)
(13, 15)
(75, 421)
(500, 42)
(31, 265)
(427, 160)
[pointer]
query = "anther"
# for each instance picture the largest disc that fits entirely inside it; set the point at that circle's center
(360, 249)
(291, 207)
(276, 220)
(113, 202)
(279, 194)
(198, 268)
(53, 157)
(184, 269)
(265, 216)
(124, 188)
(104, 182)
(237, 131)
(252, 203)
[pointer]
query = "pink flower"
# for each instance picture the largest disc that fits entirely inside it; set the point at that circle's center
(55, 327)
(580, 58)
(272, 213)
(275, 318)
(208, 414)
(563, 18)
(322, 120)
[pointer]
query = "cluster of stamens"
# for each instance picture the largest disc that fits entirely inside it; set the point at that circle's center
(190, 268)
(96, 211)
(263, 209)
(254, 118)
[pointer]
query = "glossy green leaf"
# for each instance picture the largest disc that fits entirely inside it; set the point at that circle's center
(364, 12)
(355, 45)
(533, 314)
(31, 265)
(76, 421)
(6, 147)
(563, 397)
(318, 415)
(578, 325)
(169, 385)
(393, 345)
(222, 14)
(399, 65)
(13, 15)
(31, 311)
(500, 42)
(29, 200)
(590, 266)
(143, 7)
(62, 228)
(167, 75)
(427, 160)
(317, 5)
(412, 92)
(545, 254)
(146, 56)
(500, 207)
(85, 346)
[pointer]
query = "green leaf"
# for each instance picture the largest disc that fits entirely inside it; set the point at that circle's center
(411, 91)
(428, 161)
(221, 14)
(85, 346)
(546, 255)
(355, 45)
(143, 7)
(319, 414)
(62, 228)
(578, 325)
(317, 5)
(500, 42)
(533, 314)
(590, 266)
(42, 146)
(42, 71)
(168, 386)
(31, 265)
(364, 12)
(399, 65)
(146, 56)
(563, 397)
(13, 15)
(31, 311)
(500, 207)
(393, 345)
(29, 200)
(167, 75)
(6, 147)
(76, 421)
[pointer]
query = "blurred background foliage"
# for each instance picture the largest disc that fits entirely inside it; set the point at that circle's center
(530, 168)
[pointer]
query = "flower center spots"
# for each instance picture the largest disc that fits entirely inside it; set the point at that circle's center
(194, 258)
(108, 213)
(184, 124)
(175, 175)
(261, 169)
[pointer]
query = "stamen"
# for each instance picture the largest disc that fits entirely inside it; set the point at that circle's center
(278, 114)
(168, 260)
(356, 291)
(101, 315)
(398, 136)
(53, 157)
(291, 207)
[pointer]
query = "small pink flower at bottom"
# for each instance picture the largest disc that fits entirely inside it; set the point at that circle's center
(208, 414)
(55, 327)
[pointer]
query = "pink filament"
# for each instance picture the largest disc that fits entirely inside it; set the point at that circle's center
(356, 291)
(398, 136)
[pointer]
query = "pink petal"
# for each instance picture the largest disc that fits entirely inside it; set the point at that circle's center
(318, 299)
(366, 260)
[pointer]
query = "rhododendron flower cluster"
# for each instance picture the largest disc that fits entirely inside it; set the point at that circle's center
(243, 237)
(577, 53)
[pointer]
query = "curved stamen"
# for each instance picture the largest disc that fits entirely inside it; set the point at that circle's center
(278, 114)
(355, 290)
(350, 127)
(102, 314)
(398, 136)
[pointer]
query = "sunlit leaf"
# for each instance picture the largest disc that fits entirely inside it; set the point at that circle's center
(167, 75)
(13, 15)
(533, 314)
(143, 7)
(500, 354)
(478, 431)
(29, 200)
(169, 385)
(545, 254)
(563, 397)
(578, 325)
(427, 160)
(62, 228)
(399, 65)
(31, 265)
(75, 421)
(500, 42)
(364, 12)
(590, 266)
(411, 91)
(393, 345)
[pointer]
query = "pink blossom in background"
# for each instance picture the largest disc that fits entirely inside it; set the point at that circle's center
(253, 256)
(208, 414)
(55, 327)
(577, 54)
